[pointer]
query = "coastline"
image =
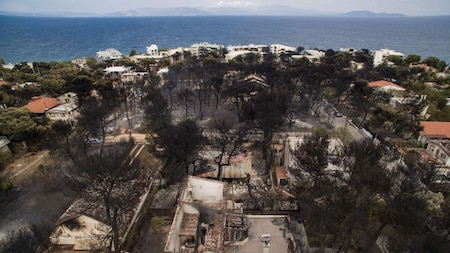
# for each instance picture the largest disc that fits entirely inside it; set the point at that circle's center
(28, 37)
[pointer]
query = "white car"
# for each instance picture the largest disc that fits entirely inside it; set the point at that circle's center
(338, 114)
(94, 141)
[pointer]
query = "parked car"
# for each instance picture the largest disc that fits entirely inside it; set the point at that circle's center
(338, 114)
(94, 141)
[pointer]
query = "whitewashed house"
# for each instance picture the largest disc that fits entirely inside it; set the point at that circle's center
(152, 50)
(109, 54)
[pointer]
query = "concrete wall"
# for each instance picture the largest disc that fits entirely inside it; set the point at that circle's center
(173, 239)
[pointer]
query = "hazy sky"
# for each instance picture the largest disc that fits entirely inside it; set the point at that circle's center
(408, 7)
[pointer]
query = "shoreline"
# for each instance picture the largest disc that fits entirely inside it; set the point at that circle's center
(73, 38)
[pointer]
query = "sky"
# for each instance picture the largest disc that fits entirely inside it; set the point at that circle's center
(407, 7)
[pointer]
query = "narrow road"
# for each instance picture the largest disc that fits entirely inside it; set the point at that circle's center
(18, 170)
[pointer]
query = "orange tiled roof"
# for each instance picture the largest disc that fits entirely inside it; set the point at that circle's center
(3, 83)
(436, 129)
(41, 105)
(383, 83)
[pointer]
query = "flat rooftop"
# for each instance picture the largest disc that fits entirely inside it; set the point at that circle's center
(264, 224)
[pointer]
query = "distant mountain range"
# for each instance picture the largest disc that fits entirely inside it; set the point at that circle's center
(273, 10)
(358, 14)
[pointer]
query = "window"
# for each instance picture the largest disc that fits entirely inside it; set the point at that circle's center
(432, 149)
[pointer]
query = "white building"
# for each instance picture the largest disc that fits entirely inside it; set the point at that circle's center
(132, 76)
(249, 48)
(278, 49)
(80, 233)
(139, 57)
(65, 112)
(81, 228)
(68, 97)
(312, 55)
(233, 54)
(109, 54)
(205, 48)
(8, 66)
(436, 136)
(349, 50)
(440, 150)
(152, 50)
(80, 62)
(379, 56)
(116, 71)
(162, 71)
(243, 50)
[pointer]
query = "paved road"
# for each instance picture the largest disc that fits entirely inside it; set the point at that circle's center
(19, 168)
(328, 112)
(138, 138)
(344, 122)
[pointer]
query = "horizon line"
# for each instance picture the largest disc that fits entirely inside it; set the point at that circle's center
(122, 13)
(88, 15)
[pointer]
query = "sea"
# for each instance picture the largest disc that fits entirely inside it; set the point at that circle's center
(35, 39)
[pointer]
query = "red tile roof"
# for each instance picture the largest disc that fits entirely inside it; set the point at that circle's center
(436, 129)
(383, 83)
(41, 105)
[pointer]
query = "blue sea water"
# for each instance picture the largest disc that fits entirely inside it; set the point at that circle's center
(61, 39)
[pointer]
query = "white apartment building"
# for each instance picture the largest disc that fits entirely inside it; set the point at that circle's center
(312, 55)
(249, 47)
(109, 54)
(205, 48)
(379, 56)
(278, 49)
